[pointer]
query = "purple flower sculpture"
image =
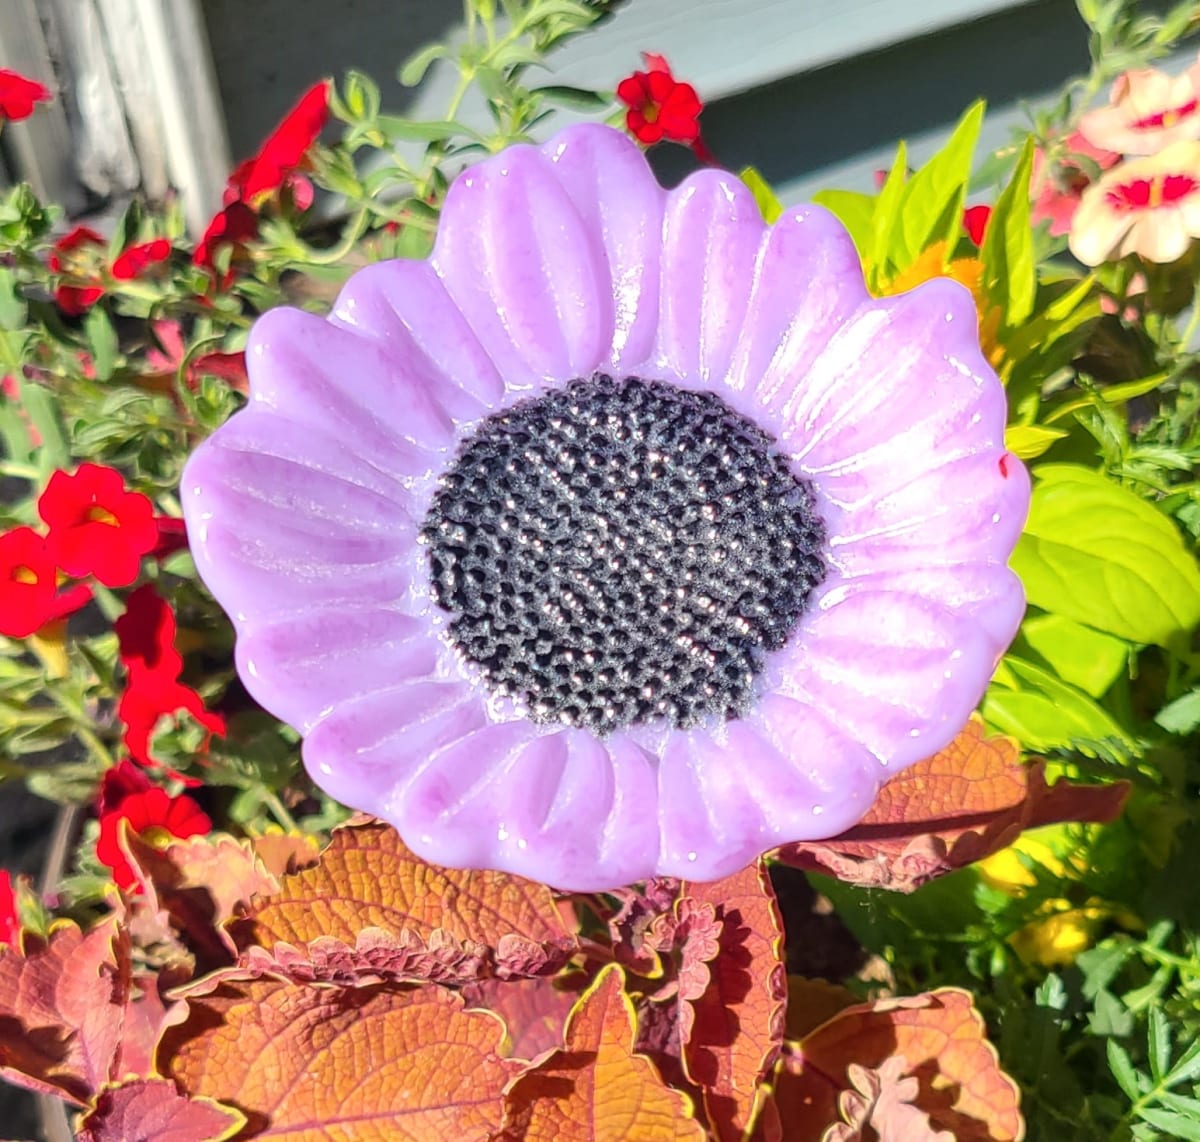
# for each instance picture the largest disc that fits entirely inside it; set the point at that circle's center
(627, 535)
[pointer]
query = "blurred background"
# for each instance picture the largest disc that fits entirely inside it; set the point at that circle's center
(170, 93)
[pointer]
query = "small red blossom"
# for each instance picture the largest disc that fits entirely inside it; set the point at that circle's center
(134, 261)
(96, 525)
(284, 151)
(975, 222)
(172, 537)
(68, 256)
(156, 818)
(29, 594)
(119, 782)
(232, 227)
(10, 920)
(660, 107)
(19, 94)
(146, 647)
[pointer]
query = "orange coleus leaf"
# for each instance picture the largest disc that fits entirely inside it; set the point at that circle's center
(598, 1089)
(62, 1008)
(534, 1011)
(737, 1025)
(153, 1108)
(942, 1040)
(313, 1063)
(370, 901)
(196, 885)
(971, 800)
(283, 853)
(812, 1002)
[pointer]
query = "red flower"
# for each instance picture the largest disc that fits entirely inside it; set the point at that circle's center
(10, 920)
(172, 537)
(156, 818)
(65, 258)
(975, 221)
(119, 782)
(146, 646)
(18, 95)
(96, 525)
(283, 152)
(29, 595)
(660, 107)
(234, 226)
(134, 261)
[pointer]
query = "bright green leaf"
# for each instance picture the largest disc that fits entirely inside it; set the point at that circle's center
(768, 204)
(854, 210)
(887, 240)
(1029, 441)
(1182, 716)
(1079, 655)
(1043, 712)
(1094, 552)
(1010, 276)
(938, 191)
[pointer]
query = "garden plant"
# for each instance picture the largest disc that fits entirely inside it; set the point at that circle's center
(527, 653)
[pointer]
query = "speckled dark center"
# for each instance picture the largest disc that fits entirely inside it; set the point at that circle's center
(621, 551)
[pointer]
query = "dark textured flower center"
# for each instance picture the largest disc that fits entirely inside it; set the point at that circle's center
(621, 551)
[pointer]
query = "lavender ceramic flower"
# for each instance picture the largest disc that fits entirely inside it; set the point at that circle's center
(626, 535)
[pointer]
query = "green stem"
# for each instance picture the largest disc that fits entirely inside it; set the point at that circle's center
(279, 810)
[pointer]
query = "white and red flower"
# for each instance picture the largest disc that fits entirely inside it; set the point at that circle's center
(1148, 110)
(1148, 206)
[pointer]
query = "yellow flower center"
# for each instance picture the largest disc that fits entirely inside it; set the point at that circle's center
(97, 514)
(156, 836)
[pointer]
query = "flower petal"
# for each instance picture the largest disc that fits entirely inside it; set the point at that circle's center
(275, 538)
(808, 284)
(899, 673)
(368, 750)
(300, 668)
(621, 202)
(404, 304)
(321, 374)
(712, 231)
(526, 273)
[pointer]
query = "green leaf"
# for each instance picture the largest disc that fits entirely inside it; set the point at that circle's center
(43, 411)
(887, 241)
(854, 210)
(1078, 654)
(938, 190)
(1043, 712)
(1121, 1066)
(412, 130)
(102, 341)
(1109, 394)
(578, 97)
(13, 310)
(1029, 441)
(1159, 1044)
(1187, 1067)
(1177, 1126)
(1181, 716)
(418, 63)
(768, 204)
(1010, 276)
(1094, 552)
